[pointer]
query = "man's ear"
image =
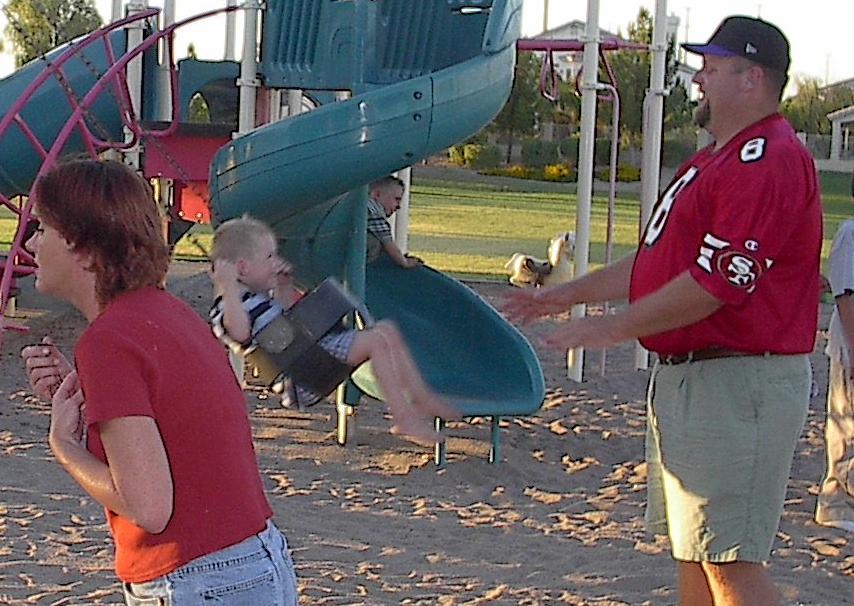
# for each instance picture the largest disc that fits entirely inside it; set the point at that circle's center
(754, 77)
(240, 264)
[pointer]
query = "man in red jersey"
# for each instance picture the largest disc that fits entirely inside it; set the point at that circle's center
(734, 236)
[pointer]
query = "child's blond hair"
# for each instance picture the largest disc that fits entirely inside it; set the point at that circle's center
(238, 238)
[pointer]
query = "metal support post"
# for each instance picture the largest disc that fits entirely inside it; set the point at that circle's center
(164, 84)
(248, 81)
(135, 35)
(575, 358)
(230, 31)
(440, 449)
(652, 127)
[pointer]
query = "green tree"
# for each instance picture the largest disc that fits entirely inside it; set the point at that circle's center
(631, 70)
(678, 108)
(525, 107)
(198, 110)
(36, 26)
(567, 107)
(807, 110)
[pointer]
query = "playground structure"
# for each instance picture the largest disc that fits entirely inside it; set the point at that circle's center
(395, 81)
(416, 79)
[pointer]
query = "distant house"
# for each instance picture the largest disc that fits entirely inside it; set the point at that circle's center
(842, 84)
(842, 129)
(567, 65)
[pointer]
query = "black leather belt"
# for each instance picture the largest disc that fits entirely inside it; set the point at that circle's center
(699, 355)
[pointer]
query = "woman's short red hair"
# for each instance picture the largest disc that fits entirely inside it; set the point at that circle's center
(106, 210)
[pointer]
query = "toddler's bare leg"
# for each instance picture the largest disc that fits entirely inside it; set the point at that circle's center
(411, 402)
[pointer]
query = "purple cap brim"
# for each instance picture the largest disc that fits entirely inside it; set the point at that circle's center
(709, 49)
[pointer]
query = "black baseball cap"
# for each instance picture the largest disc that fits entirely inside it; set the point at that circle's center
(748, 37)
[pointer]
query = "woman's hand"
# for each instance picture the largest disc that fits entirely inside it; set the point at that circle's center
(66, 415)
(46, 367)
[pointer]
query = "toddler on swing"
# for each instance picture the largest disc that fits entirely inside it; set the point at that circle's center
(254, 291)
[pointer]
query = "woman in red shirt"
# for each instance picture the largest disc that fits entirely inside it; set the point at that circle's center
(149, 420)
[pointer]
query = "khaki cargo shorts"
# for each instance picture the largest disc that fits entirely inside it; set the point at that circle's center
(720, 439)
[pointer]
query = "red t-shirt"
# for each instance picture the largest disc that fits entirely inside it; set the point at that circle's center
(148, 354)
(745, 221)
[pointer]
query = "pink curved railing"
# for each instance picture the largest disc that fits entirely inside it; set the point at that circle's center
(18, 261)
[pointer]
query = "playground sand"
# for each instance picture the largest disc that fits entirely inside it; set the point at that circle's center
(559, 521)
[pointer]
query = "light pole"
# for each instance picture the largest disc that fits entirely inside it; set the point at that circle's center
(545, 15)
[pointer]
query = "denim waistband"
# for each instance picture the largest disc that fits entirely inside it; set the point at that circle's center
(260, 544)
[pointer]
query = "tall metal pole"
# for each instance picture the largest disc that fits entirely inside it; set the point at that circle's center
(545, 15)
(230, 29)
(612, 194)
(589, 86)
(248, 84)
(164, 99)
(134, 76)
(116, 12)
(400, 219)
(248, 81)
(652, 126)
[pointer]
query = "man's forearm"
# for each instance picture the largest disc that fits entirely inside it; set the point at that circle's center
(681, 302)
(610, 283)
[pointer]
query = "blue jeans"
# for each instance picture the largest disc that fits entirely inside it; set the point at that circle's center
(255, 572)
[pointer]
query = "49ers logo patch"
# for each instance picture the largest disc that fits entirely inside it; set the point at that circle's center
(739, 269)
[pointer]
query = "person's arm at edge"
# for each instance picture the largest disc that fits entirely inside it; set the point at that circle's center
(845, 308)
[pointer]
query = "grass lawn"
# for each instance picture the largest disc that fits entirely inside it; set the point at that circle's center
(470, 229)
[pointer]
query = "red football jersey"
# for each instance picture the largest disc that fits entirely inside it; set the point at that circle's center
(746, 222)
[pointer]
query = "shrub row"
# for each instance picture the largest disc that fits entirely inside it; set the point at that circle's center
(559, 173)
(538, 155)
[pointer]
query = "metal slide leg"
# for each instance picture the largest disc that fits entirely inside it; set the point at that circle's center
(440, 449)
(346, 427)
(493, 449)
(238, 366)
(346, 421)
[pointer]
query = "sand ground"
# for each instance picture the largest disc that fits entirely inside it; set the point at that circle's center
(558, 521)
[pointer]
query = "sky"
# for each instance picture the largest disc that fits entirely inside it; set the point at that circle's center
(819, 30)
